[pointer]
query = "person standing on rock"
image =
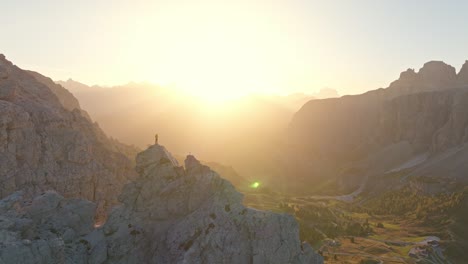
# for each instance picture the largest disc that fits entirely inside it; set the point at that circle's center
(156, 139)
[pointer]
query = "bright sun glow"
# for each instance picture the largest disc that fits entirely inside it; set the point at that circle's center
(214, 69)
(208, 52)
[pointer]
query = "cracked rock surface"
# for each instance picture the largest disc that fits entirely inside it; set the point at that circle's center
(169, 214)
(176, 215)
(48, 142)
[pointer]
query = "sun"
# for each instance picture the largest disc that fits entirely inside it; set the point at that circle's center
(211, 73)
(213, 61)
(218, 51)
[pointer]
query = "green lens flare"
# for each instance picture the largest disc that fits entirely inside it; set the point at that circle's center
(255, 185)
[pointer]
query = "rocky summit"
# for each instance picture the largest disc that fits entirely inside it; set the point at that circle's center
(169, 214)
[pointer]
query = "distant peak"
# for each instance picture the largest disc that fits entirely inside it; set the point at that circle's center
(437, 66)
(191, 162)
(192, 165)
(434, 75)
(4, 60)
(71, 81)
(463, 74)
(408, 74)
(464, 66)
(156, 155)
(327, 92)
(434, 62)
(438, 72)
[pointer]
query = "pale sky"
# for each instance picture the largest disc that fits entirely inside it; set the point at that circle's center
(234, 46)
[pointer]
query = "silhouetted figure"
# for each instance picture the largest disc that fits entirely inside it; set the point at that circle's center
(156, 139)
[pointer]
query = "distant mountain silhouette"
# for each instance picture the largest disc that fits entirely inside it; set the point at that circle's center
(245, 127)
(422, 114)
(325, 93)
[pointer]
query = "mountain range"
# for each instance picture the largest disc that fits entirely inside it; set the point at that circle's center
(61, 177)
(418, 122)
(58, 165)
(186, 124)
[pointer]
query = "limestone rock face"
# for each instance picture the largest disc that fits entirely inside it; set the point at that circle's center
(168, 215)
(433, 76)
(463, 75)
(427, 109)
(64, 96)
(44, 230)
(176, 215)
(48, 142)
(437, 75)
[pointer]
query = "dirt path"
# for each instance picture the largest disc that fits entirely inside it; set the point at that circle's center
(344, 198)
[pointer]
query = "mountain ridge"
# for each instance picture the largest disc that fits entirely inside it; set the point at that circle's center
(163, 218)
(48, 141)
(424, 108)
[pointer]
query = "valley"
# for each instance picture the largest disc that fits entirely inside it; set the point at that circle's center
(361, 232)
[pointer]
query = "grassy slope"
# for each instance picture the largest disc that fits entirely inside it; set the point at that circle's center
(325, 220)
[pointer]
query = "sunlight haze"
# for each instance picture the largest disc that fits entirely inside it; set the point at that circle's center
(233, 131)
(224, 49)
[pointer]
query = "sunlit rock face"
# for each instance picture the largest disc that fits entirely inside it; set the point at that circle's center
(48, 142)
(433, 76)
(427, 109)
(169, 214)
(463, 75)
(176, 215)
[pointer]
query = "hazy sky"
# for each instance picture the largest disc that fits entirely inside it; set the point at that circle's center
(234, 46)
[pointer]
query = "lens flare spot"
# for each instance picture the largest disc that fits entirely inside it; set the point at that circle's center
(255, 185)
